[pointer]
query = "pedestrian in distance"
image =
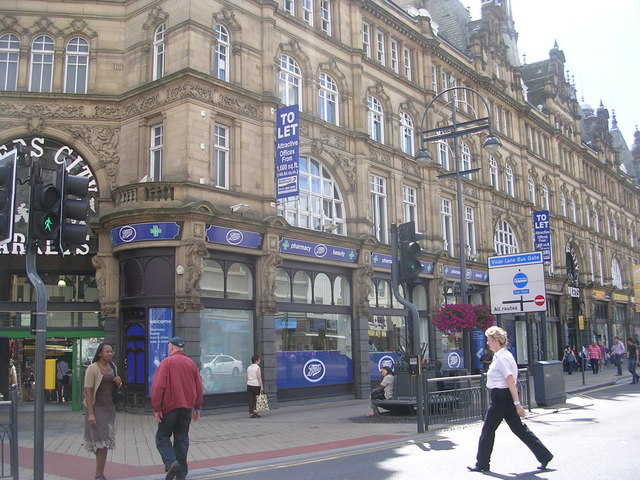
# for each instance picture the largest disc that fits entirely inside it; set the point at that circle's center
(569, 359)
(617, 349)
(505, 405)
(100, 411)
(62, 370)
(254, 385)
(634, 358)
(593, 351)
(176, 399)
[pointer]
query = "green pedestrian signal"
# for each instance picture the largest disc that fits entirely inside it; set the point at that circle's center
(410, 250)
(45, 213)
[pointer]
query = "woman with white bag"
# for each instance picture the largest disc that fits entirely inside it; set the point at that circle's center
(254, 385)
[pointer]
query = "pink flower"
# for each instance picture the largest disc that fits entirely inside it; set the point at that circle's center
(460, 317)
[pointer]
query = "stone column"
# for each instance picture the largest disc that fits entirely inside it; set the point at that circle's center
(265, 334)
(363, 277)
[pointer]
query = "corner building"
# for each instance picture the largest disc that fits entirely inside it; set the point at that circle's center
(169, 107)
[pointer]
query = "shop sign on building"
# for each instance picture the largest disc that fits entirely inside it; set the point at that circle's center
(142, 232)
(475, 275)
(318, 250)
(287, 151)
(235, 237)
(383, 260)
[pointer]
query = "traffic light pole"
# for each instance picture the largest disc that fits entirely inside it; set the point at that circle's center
(415, 322)
(39, 328)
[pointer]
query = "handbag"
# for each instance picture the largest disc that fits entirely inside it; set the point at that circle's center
(117, 394)
(262, 403)
(377, 395)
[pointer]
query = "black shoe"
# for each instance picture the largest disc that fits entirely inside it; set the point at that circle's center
(172, 471)
(478, 469)
(543, 465)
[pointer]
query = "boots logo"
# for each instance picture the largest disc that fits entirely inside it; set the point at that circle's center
(234, 237)
(386, 361)
(314, 370)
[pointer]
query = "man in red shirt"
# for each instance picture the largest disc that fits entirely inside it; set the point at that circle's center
(593, 351)
(176, 399)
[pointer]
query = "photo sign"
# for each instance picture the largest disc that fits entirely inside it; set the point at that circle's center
(287, 151)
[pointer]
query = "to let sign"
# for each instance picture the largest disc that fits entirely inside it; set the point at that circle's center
(287, 151)
(542, 234)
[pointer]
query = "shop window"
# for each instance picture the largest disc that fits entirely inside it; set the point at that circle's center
(283, 286)
(322, 290)
(384, 294)
(226, 347)
(302, 288)
(239, 282)
(341, 291)
(212, 282)
(386, 333)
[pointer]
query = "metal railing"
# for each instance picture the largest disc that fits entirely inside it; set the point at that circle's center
(9, 433)
(451, 400)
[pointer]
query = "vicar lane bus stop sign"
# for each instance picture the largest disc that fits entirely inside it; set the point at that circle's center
(516, 283)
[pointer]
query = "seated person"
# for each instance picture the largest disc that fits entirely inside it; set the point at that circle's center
(384, 390)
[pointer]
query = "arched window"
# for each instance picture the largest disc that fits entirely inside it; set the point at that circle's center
(509, 182)
(42, 50)
(563, 205)
(465, 157)
(319, 205)
(239, 282)
(407, 141)
(493, 173)
(328, 99)
(158, 52)
(341, 291)
(532, 190)
(283, 286)
(221, 54)
(504, 240)
(9, 61)
(290, 80)
(212, 282)
(375, 119)
(302, 288)
(322, 289)
(616, 274)
(545, 196)
(77, 66)
(443, 154)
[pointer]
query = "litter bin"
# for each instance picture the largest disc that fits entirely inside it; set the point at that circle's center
(548, 381)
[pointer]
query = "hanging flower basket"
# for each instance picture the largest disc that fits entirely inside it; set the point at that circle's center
(462, 317)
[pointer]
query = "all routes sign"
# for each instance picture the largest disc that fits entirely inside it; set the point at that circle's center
(516, 283)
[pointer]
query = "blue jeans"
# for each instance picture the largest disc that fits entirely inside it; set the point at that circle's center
(632, 370)
(617, 360)
(176, 423)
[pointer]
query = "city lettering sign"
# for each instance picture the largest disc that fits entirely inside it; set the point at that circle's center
(52, 155)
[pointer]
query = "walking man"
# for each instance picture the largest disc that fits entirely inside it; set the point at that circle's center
(176, 399)
(594, 356)
(634, 359)
(617, 349)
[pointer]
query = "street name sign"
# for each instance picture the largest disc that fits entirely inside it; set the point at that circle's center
(516, 283)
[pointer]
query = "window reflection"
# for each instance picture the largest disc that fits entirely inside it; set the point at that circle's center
(313, 331)
(386, 333)
(302, 288)
(322, 289)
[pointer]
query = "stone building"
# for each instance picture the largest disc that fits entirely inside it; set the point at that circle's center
(171, 109)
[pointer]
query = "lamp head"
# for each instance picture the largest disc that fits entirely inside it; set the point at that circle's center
(424, 158)
(491, 144)
(62, 283)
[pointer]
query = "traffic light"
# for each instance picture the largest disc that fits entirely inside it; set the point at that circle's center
(45, 211)
(410, 250)
(7, 195)
(74, 206)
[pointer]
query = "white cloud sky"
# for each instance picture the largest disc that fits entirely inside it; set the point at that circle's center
(601, 43)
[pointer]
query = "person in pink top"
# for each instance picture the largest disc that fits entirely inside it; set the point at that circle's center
(593, 351)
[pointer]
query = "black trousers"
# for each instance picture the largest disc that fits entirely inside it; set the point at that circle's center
(502, 408)
(253, 396)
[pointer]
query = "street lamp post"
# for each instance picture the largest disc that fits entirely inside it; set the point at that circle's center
(456, 130)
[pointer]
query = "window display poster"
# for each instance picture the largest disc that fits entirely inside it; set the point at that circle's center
(478, 344)
(160, 331)
(311, 368)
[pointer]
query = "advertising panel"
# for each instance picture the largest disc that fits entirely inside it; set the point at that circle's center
(287, 151)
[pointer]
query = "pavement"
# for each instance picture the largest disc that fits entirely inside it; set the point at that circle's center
(229, 437)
